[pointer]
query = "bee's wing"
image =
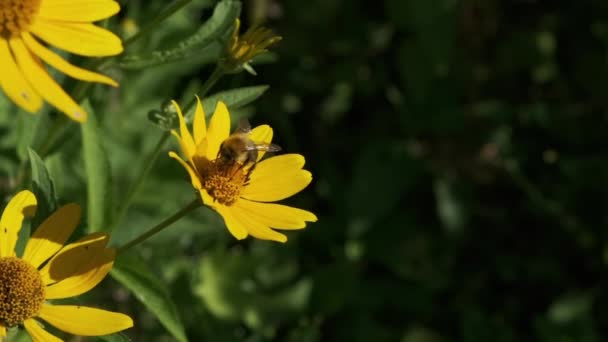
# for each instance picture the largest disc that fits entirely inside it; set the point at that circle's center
(244, 126)
(272, 148)
(264, 147)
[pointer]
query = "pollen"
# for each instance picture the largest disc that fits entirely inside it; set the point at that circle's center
(224, 181)
(16, 16)
(21, 291)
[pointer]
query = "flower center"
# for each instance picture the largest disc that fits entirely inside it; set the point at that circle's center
(224, 180)
(16, 16)
(21, 291)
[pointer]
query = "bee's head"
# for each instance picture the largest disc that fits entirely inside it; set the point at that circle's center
(227, 153)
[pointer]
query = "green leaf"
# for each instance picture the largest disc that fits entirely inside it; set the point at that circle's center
(23, 237)
(26, 128)
(33, 130)
(206, 43)
(234, 98)
(135, 275)
(43, 187)
(97, 168)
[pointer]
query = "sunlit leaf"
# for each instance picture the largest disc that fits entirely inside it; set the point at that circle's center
(98, 171)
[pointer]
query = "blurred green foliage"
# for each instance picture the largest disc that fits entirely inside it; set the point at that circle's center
(457, 149)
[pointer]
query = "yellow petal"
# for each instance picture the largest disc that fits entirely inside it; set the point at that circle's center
(80, 38)
(85, 321)
(187, 143)
(277, 164)
(277, 178)
(44, 84)
(78, 11)
(75, 259)
(208, 200)
(201, 149)
(52, 234)
(235, 33)
(92, 274)
(276, 215)
(219, 130)
(199, 126)
(234, 227)
(2, 330)
(21, 205)
(62, 65)
(194, 178)
(255, 227)
(38, 333)
(261, 134)
(182, 145)
(15, 86)
(271, 167)
(282, 186)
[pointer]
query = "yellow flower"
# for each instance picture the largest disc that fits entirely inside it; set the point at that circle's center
(242, 49)
(241, 192)
(66, 25)
(48, 270)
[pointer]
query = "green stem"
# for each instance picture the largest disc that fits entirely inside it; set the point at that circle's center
(213, 78)
(150, 160)
(164, 224)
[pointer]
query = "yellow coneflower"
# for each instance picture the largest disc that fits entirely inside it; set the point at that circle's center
(49, 270)
(242, 193)
(66, 25)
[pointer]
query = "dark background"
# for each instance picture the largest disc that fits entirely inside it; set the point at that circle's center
(458, 149)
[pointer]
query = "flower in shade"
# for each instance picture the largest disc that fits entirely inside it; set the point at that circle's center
(49, 270)
(66, 25)
(242, 49)
(242, 193)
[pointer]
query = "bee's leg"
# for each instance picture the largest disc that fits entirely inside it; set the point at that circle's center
(236, 170)
(219, 152)
(250, 171)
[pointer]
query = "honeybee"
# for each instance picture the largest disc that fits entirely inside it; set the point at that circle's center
(239, 151)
